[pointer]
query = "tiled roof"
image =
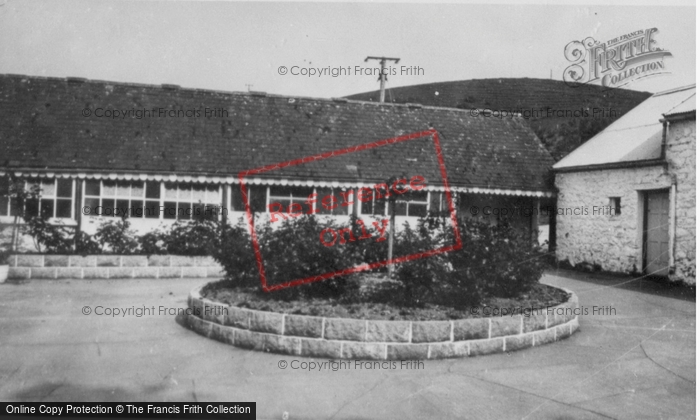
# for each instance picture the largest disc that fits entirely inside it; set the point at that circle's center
(42, 127)
(636, 136)
(688, 105)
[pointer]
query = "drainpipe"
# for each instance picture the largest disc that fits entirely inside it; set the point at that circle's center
(664, 130)
(671, 203)
(672, 228)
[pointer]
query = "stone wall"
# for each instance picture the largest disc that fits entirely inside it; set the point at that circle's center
(680, 154)
(589, 232)
(40, 266)
(343, 338)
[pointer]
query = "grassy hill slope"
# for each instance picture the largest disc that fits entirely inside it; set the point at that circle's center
(543, 102)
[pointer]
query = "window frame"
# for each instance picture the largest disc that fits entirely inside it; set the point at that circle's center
(116, 197)
(53, 198)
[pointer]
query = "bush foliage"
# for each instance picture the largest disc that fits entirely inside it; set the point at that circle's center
(494, 261)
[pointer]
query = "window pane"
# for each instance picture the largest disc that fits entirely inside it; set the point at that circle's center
(47, 207)
(237, 203)
(63, 208)
(4, 206)
(152, 209)
(198, 212)
(122, 208)
(302, 203)
(417, 210)
(123, 188)
(65, 188)
(199, 193)
(279, 191)
(435, 201)
(213, 195)
(107, 207)
(184, 210)
(14, 208)
(152, 189)
(109, 188)
(4, 196)
(400, 208)
(171, 190)
(301, 192)
(256, 197)
(4, 185)
(341, 210)
(416, 196)
(323, 192)
(379, 208)
(137, 189)
(184, 192)
(136, 208)
(92, 204)
(48, 188)
(31, 207)
(92, 187)
(169, 210)
(366, 207)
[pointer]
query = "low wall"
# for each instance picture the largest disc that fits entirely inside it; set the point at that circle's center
(340, 338)
(42, 266)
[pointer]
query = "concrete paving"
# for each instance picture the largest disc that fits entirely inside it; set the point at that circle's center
(638, 362)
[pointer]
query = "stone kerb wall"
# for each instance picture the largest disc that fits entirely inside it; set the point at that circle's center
(40, 266)
(340, 338)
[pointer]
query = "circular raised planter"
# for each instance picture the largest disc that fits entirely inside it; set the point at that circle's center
(344, 338)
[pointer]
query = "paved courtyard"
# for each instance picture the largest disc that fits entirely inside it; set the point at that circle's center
(638, 362)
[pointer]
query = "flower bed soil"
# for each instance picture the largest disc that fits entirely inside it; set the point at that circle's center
(541, 296)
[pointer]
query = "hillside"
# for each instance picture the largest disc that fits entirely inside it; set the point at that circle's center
(560, 133)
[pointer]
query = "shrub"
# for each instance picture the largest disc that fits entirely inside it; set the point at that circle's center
(366, 251)
(191, 237)
(152, 243)
(421, 276)
(4, 257)
(234, 252)
(498, 260)
(86, 244)
(54, 238)
(117, 236)
(293, 251)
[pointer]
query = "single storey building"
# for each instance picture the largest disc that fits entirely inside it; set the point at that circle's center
(171, 152)
(626, 198)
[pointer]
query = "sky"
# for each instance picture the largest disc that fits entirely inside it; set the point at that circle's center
(240, 46)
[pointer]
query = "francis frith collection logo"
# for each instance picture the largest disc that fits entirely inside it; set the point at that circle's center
(616, 62)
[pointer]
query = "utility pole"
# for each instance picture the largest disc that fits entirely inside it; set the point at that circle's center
(382, 75)
(248, 86)
(391, 203)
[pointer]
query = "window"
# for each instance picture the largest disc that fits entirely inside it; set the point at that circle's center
(438, 204)
(334, 201)
(374, 206)
(190, 201)
(136, 199)
(257, 198)
(413, 203)
(56, 197)
(4, 196)
(615, 206)
(288, 195)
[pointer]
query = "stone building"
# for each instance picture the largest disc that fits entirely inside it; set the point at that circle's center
(626, 198)
(166, 152)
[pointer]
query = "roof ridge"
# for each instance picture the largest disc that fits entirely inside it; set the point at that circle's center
(674, 90)
(174, 87)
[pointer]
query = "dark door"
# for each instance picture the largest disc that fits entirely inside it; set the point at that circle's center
(656, 229)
